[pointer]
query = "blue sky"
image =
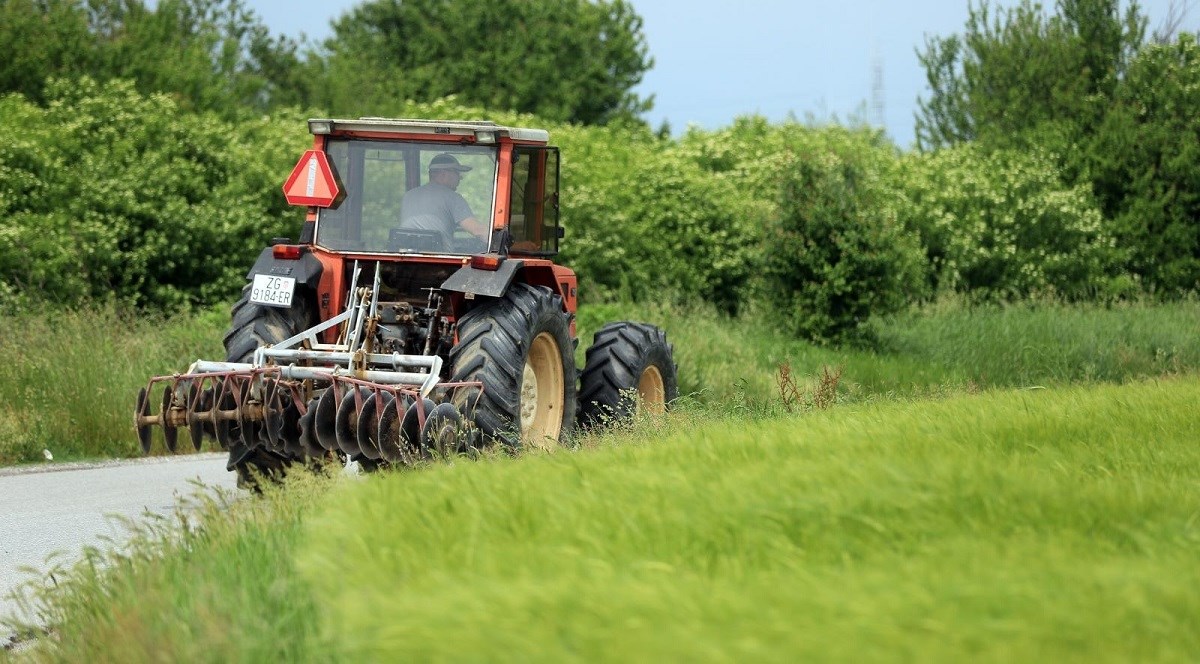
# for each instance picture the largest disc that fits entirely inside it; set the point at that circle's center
(717, 59)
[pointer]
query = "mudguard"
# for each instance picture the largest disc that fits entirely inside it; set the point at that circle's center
(490, 283)
(306, 270)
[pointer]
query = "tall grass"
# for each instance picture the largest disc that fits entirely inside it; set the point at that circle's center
(1039, 342)
(1047, 525)
(70, 379)
(944, 348)
(70, 382)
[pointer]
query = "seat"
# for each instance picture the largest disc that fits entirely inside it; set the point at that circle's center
(411, 239)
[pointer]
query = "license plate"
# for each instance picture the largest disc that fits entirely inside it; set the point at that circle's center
(272, 291)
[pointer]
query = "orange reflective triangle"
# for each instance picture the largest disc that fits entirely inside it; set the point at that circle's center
(311, 181)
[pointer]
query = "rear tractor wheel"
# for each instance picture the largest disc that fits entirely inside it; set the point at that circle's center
(519, 346)
(630, 370)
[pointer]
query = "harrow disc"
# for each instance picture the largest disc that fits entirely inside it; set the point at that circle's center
(346, 421)
(290, 430)
(368, 424)
(444, 432)
(324, 419)
(392, 445)
(272, 422)
(222, 428)
(198, 401)
(170, 431)
(281, 419)
(410, 429)
(143, 410)
(250, 431)
(308, 434)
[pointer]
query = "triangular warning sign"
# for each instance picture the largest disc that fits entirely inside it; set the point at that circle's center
(311, 181)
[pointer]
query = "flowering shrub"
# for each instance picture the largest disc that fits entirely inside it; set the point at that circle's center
(1002, 225)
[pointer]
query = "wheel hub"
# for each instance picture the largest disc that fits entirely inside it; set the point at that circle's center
(542, 392)
(652, 396)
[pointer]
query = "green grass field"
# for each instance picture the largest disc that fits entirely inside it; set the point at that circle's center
(1056, 524)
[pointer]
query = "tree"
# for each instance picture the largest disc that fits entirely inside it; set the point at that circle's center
(211, 54)
(1146, 166)
(208, 54)
(564, 60)
(1020, 72)
(1084, 86)
(40, 38)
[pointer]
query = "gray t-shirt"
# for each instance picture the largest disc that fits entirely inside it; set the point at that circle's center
(434, 207)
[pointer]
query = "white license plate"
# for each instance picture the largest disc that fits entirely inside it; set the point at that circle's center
(272, 291)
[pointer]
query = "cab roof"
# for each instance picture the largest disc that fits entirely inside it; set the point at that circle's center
(482, 130)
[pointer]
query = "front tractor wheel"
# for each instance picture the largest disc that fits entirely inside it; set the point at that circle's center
(519, 346)
(630, 369)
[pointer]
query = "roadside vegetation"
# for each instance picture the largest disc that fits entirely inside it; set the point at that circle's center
(227, 583)
(1018, 524)
(72, 388)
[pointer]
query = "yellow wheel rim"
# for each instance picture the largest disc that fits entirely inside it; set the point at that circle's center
(652, 396)
(542, 393)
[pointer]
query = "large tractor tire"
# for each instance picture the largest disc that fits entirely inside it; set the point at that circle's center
(629, 369)
(252, 326)
(519, 346)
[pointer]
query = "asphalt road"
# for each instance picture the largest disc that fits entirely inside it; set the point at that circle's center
(61, 508)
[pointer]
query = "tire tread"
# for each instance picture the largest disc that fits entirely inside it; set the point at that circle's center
(494, 339)
(619, 353)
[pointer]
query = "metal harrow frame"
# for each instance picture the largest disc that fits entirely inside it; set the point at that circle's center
(373, 405)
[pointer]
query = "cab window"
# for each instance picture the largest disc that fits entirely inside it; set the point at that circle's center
(533, 204)
(376, 176)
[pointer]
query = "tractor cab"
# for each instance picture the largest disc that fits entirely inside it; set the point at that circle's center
(390, 199)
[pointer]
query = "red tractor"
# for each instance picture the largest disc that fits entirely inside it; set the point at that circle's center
(420, 313)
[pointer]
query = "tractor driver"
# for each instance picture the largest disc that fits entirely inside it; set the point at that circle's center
(437, 206)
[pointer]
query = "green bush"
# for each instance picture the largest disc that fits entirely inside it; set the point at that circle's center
(664, 227)
(111, 195)
(750, 153)
(108, 194)
(1001, 225)
(837, 253)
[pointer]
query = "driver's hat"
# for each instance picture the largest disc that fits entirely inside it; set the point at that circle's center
(447, 162)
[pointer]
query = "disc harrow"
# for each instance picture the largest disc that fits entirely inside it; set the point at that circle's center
(300, 398)
(351, 416)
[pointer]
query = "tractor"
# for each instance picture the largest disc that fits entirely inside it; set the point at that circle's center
(420, 313)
